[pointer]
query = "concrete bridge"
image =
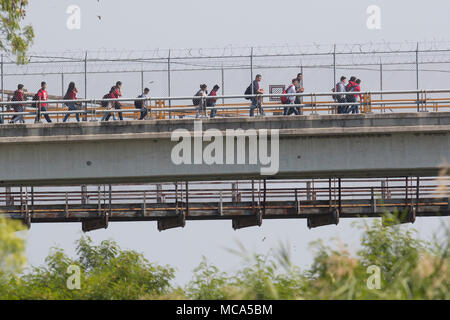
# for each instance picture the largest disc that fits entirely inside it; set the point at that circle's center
(315, 146)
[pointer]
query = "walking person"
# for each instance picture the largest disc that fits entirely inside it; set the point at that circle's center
(291, 99)
(71, 94)
(117, 93)
(142, 104)
(200, 102)
(18, 96)
(256, 101)
(340, 98)
(211, 102)
(108, 104)
(42, 95)
(350, 87)
(353, 98)
(299, 89)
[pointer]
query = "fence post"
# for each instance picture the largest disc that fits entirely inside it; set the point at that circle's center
(85, 87)
(62, 84)
(8, 197)
(308, 191)
(251, 69)
(223, 84)
(84, 194)
(381, 85)
(417, 75)
(168, 82)
(142, 79)
(334, 66)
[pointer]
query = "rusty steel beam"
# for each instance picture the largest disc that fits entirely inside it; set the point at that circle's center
(94, 224)
(246, 222)
(323, 220)
(171, 223)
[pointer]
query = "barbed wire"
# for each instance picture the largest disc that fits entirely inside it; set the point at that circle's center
(231, 57)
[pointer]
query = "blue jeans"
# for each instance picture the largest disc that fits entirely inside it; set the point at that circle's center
(46, 116)
(144, 113)
(72, 107)
(20, 117)
(341, 109)
(290, 110)
(256, 104)
(213, 110)
(200, 110)
(117, 106)
(353, 109)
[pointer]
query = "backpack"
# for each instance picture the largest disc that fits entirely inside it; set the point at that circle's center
(35, 98)
(105, 103)
(209, 102)
(285, 100)
(139, 104)
(248, 91)
(14, 98)
(335, 89)
(350, 87)
(66, 98)
(196, 102)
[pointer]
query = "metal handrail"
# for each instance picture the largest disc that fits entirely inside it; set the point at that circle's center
(317, 104)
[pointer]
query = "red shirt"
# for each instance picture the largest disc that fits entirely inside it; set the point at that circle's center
(116, 94)
(213, 94)
(43, 96)
(72, 95)
(18, 96)
(358, 89)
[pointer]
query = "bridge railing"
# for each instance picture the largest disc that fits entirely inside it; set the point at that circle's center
(406, 189)
(314, 103)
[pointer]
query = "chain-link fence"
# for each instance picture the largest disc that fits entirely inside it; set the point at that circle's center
(168, 73)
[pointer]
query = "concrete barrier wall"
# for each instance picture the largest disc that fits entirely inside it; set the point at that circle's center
(313, 147)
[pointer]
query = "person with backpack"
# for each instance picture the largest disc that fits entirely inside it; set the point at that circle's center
(340, 98)
(40, 96)
(290, 99)
(142, 104)
(117, 93)
(108, 104)
(18, 96)
(350, 87)
(200, 102)
(255, 88)
(299, 89)
(353, 86)
(71, 94)
(211, 102)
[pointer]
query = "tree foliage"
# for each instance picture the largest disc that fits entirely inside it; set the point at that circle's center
(409, 269)
(108, 272)
(12, 246)
(15, 37)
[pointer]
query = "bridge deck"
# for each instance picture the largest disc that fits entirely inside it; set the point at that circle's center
(172, 204)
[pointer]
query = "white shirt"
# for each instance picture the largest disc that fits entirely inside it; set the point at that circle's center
(146, 102)
(291, 89)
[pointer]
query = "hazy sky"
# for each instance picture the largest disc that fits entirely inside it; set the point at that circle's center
(184, 24)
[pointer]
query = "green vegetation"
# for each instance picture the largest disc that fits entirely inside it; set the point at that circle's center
(14, 36)
(409, 269)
